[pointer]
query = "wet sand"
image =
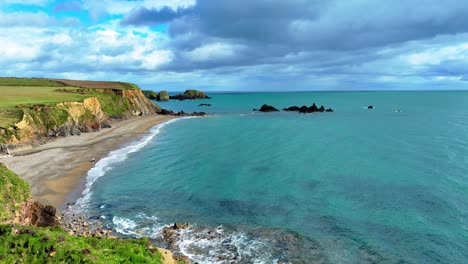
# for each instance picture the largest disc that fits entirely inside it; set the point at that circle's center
(56, 170)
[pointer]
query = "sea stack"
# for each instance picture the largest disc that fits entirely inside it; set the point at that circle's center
(162, 96)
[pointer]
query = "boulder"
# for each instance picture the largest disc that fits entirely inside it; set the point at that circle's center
(162, 96)
(267, 108)
(370, 107)
(190, 95)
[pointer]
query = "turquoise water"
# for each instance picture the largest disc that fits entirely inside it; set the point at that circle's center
(352, 186)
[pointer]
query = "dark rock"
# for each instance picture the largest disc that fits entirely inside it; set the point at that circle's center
(321, 109)
(255, 109)
(105, 125)
(329, 110)
(267, 108)
(204, 105)
(163, 96)
(190, 95)
(370, 107)
(51, 133)
(292, 109)
(75, 131)
(181, 113)
(304, 109)
(313, 108)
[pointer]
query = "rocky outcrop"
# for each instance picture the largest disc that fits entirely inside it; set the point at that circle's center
(190, 95)
(304, 109)
(36, 214)
(267, 108)
(162, 96)
(370, 107)
(152, 95)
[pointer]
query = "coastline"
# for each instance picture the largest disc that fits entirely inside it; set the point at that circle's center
(56, 170)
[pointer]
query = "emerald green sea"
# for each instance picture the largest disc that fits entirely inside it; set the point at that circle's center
(356, 185)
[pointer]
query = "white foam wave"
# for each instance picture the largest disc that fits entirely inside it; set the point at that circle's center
(201, 245)
(147, 227)
(114, 157)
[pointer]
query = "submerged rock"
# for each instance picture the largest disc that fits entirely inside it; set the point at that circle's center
(370, 107)
(267, 108)
(204, 105)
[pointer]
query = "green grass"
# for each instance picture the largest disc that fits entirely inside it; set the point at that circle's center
(22, 244)
(13, 191)
(11, 96)
(13, 81)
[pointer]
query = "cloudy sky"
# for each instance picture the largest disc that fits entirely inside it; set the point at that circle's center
(240, 45)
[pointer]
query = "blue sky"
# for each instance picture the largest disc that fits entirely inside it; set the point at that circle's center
(237, 45)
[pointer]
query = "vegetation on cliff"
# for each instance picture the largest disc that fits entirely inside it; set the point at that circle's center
(29, 244)
(152, 95)
(13, 192)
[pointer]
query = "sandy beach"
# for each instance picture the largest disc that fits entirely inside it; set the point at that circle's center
(56, 170)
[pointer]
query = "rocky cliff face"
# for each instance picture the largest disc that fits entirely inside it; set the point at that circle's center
(41, 122)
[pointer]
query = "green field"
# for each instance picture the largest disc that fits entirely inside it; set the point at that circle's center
(11, 96)
(13, 81)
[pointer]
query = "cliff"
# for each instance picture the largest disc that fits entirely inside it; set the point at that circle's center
(42, 121)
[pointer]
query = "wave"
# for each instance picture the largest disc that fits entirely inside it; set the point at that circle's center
(201, 244)
(114, 157)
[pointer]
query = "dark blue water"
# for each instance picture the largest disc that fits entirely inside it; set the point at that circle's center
(352, 186)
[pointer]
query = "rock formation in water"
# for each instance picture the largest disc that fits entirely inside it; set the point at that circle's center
(180, 113)
(304, 109)
(190, 95)
(267, 108)
(162, 96)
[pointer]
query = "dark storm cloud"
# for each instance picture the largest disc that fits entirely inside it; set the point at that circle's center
(144, 16)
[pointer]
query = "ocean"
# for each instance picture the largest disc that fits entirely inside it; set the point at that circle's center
(356, 185)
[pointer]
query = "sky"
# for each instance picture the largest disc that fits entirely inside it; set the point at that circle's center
(240, 45)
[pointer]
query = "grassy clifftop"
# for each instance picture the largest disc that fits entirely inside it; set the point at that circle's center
(28, 244)
(40, 104)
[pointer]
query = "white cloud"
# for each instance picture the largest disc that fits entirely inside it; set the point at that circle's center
(437, 55)
(213, 52)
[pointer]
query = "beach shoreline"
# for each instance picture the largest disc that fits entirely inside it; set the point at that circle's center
(56, 171)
